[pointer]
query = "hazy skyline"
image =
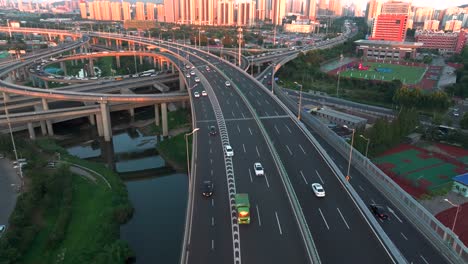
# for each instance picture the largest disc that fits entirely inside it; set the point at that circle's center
(437, 4)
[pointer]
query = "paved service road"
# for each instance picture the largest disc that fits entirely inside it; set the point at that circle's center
(9, 181)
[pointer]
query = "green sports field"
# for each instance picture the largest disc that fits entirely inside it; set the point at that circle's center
(407, 74)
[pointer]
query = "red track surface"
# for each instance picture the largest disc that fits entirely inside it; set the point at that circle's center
(461, 228)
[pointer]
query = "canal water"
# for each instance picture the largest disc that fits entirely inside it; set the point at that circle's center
(158, 194)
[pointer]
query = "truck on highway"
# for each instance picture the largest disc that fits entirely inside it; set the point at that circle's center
(243, 208)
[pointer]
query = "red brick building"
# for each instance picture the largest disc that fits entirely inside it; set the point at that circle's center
(444, 42)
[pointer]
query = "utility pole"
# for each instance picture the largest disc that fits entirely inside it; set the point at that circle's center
(239, 36)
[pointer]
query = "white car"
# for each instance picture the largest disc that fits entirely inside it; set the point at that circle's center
(2, 229)
(229, 151)
(196, 94)
(204, 93)
(227, 83)
(187, 75)
(197, 79)
(192, 73)
(258, 169)
(318, 190)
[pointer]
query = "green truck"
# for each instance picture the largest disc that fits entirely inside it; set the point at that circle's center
(243, 208)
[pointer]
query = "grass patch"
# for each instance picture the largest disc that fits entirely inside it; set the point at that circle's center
(174, 151)
(175, 119)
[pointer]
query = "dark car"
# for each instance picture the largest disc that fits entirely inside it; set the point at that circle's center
(379, 211)
(208, 188)
(213, 130)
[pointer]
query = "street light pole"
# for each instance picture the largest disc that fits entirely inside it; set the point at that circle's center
(300, 101)
(186, 146)
(367, 145)
(239, 30)
(456, 214)
(350, 156)
(338, 84)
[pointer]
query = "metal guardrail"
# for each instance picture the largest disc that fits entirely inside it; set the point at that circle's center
(439, 235)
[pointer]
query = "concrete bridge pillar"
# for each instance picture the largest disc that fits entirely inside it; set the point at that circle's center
(43, 123)
(91, 67)
(63, 66)
(99, 127)
(155, 61)
(259, 69)
(6, 97)
(141, 60)
(182, 86)
(32, 133)
(46, 84)
(50, 128)
(117, 59)
(106, 122)
(172, 68)
(161, 64)
(92, 121)
(131, 111)
(33, 80)
(156, 114)
(164, 119)
(62, 38)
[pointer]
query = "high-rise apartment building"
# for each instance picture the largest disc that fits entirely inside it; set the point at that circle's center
(116, 11)
(311, 9)
(431, 25)
(278, 10)
(105, 10)
(204, 14)
(140, 11)
(396, 8)
(422, 14)
(150, 11)
(261, 9)
(187, 11)
(374, 7)
(171, 11)
(83, 10)
(246, 13)
(453, 25)
(91, 11)
(126, 11)
(225, 12)
(160, 12)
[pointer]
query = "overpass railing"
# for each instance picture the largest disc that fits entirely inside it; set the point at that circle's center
(439, 235)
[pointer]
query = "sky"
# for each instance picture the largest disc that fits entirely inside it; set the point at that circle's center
(437, 4)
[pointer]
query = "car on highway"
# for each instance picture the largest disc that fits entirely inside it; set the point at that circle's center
(207, 68)
(187, 66)
(455, 113)
(196, 94)
(379, 211)
(204, 93)
(192, 73)
(213, 131)
(187, 75)
(227, 83)
(318, 190)
(229, 151)
(197, 79)
(258, 168)
(208, 188)
(2, 229)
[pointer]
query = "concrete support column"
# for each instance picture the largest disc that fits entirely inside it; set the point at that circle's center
(92, 121)
(172, 68)
(32, 134)
(258, 69)
(46, 84)
(117, 59)
(106, 122)
(156, 114)
(131, 111)
(182, 86)
(6, 97)
(161, 64)
(50, 129)
(100, 129)
(63, 67)
(164, 119)
(91, 67)
(141, 60)
(155, 61)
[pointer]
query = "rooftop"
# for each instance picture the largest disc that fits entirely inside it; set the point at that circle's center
(462, 178)
(388, 43)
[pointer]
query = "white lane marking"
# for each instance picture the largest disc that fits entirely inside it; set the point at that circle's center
(394, 214)
(211, 172)
(212, 202)
(266, 179)
(267, 101)
(258, 102)
(238, 128)
(279, 225)
(266, 113)
(362, 189)
(233, 114)
(211, 151)
(276, 113)
(277, 131)
(250, 131)
(341, 167)
(403, 235)
(289, 150)
(237, 104)
(209, 141)
(243, 146)
(342, 217)
(211, 161)
(212, 221)
(302, 174)
(258, 215)
(319, 176)
(258, 153)
(250, 175)
(302, 149)
(243, 116)
(259, 93)
(324, 220)
(212, 244)
(425, 261)
(373, 202)
(227, 101)
(288, 129)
